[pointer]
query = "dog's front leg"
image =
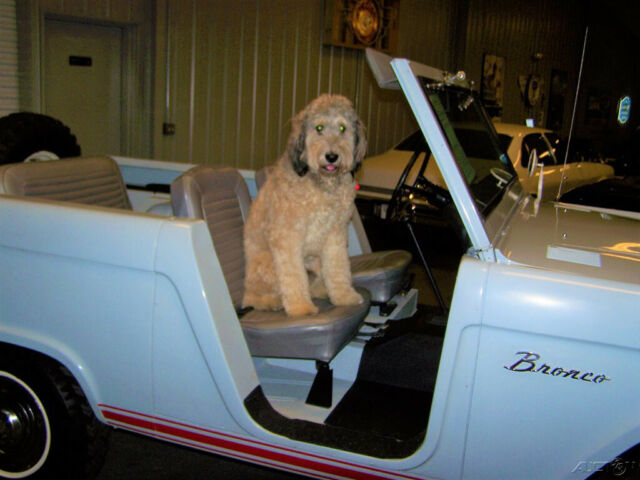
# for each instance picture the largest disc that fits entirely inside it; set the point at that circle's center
(293, 279)
(336, 270)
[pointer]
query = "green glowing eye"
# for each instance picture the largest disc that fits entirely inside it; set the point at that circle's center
(319, 128)
(342, 128)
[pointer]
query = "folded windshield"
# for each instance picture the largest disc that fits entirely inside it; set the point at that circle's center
(472, 140)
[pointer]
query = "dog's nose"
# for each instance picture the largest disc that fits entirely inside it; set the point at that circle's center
(331, 157)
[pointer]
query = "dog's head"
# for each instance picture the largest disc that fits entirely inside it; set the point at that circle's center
(327, 138)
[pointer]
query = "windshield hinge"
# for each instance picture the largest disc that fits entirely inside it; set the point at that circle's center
(486, 254)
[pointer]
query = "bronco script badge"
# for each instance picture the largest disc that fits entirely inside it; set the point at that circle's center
(530, 362)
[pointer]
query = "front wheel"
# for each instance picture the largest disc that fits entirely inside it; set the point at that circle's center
(47, 429)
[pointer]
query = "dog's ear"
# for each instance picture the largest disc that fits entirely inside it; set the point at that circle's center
(296, 147)
(360, 144)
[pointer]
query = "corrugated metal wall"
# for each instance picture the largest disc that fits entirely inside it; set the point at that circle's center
(517, 30)
(230, 75)
(9, 98)
(122, 11)
(236, 72)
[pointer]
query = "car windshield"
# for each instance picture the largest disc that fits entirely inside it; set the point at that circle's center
(478, 151)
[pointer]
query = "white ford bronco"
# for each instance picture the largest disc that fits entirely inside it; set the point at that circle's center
(119, 309)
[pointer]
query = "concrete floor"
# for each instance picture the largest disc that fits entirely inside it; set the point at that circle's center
(132, 456)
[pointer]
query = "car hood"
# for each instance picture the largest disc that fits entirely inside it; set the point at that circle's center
(571, 176)
(575, 240)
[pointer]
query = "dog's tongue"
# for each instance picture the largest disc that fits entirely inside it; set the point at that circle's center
(330, 168)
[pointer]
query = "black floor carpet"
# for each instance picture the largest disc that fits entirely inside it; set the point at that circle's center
(391, 396)
(385, 412)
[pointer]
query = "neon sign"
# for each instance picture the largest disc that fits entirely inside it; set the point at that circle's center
(624, 109)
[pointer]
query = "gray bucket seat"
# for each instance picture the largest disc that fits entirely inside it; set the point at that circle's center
(221, 198)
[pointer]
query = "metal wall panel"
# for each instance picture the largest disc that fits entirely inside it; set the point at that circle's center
(231, 75)
(9, 97)
(517, 30)
(121, 11)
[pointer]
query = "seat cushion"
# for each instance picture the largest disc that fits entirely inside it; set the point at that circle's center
(319, 337)
(382, 273)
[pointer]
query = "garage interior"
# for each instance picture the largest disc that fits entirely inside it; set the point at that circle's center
(217, 82)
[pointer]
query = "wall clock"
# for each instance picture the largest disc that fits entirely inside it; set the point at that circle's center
(362, 23)
(365, 21)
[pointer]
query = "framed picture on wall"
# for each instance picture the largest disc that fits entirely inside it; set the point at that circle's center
(362, 23)
(492, 91)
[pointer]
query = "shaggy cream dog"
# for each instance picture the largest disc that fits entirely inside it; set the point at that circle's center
(295, 238)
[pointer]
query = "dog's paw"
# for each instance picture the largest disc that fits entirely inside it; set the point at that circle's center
(301, 309)
(347, 297)
(262, 302)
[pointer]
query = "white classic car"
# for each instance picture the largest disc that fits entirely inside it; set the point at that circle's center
(380, 173)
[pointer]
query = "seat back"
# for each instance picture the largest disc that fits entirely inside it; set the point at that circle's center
(87, 180)
(261, 175)
(221, 198)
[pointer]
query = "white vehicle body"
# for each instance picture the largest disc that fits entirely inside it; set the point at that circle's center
(558, 176)
(535, 375)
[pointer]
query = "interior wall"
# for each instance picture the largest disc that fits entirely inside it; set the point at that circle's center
(136, 15)
(611, 71)
(231, 75)
(516, 30)
(9, 98)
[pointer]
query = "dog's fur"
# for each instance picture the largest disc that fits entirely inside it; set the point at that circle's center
(295, 238)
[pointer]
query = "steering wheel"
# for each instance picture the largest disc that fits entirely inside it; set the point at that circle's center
(401, 205)
(402, 208)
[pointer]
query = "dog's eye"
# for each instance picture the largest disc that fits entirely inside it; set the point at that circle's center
(319, 128)
(342, 128)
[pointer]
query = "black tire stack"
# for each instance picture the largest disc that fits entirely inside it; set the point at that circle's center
(24, 133)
